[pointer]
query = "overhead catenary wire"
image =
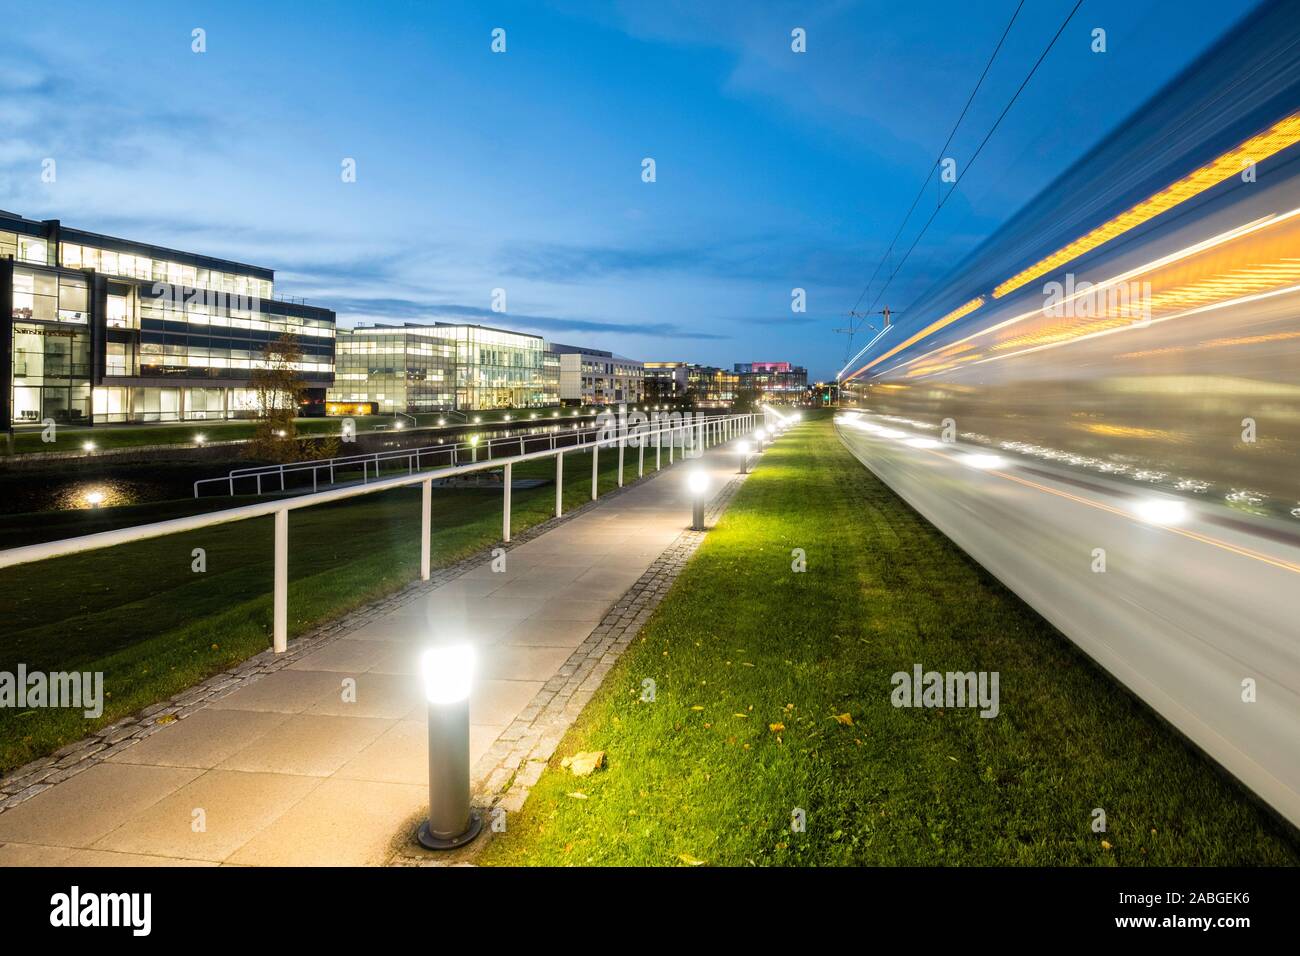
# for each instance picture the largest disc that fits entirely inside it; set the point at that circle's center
(971, 162)
(930, 173)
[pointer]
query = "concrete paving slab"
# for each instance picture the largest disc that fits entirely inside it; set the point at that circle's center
(210, 817)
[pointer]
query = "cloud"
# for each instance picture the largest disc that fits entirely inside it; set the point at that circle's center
(406, 310)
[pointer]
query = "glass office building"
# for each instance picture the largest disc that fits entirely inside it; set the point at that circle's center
(99, 329)
(705, 386)
(774, 381)
(416, 368)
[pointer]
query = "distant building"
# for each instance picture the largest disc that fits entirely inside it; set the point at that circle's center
(665, 382)
(99, 329)
(704, 385)
(593, 376)
(444, 365)
(773, 381)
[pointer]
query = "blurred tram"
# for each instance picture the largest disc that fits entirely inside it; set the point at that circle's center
(1117, 373)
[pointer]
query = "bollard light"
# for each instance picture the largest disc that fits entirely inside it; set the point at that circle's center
(199, 439)
(88, 446)
(448, 673)
(698, 484)
(399, 425)
(442, 421)
(761, 435)
(743, 448)
(473, 446)
(95, 499)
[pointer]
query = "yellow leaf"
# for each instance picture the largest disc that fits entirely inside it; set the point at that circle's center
(578, 795)
(697, 707)
(690, 860)
(1105, 845)
(845, 719)
(776, 728)
(583, 764)
(740, 715)
(166, 719)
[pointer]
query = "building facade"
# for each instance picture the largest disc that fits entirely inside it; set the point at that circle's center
(596, 377)
(704, 386)
(665, 382)
(416, 368)
(774, 381)
(96, 329)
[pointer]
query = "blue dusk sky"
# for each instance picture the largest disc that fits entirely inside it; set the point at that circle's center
(522, 170)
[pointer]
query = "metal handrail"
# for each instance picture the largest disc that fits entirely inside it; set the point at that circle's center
(701, 433)
(412, 456)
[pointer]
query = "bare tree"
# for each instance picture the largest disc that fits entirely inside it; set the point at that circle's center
(278, 388)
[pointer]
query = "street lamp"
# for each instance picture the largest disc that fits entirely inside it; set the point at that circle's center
(447, 672)
(698, 483)
(743, 448)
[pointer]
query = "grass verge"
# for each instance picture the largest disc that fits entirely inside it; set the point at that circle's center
(773, 695)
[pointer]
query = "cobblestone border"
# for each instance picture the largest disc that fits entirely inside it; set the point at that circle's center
(515, 762)
(39, 775)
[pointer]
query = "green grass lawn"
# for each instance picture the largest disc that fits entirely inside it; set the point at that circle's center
(755, 667)
(154, 627)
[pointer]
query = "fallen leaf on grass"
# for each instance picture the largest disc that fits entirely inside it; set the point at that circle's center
(776, 728)
(697, 707)
(1105, 845)
(578, 795)
(845, 719)
(690, 860)
(583, 764)
(166, 719)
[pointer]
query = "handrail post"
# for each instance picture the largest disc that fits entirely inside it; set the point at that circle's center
(282, 477)
(640, 457)
(659, 448)
(620, 461)
(595, 456)
(559, 483)
(280, 599)
(505, 515)
(426, 526)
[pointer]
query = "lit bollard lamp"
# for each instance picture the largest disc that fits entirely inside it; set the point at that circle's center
(448, 672)
(761, 435)
(743, 448)
(698, 483)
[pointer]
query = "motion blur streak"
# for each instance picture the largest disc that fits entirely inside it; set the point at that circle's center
(1254, 150)
(1143, 406)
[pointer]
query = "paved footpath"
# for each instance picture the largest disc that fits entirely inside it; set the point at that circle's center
(272, 764)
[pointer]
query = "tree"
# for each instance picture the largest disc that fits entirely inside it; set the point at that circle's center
(746, 400)
(278, 389)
